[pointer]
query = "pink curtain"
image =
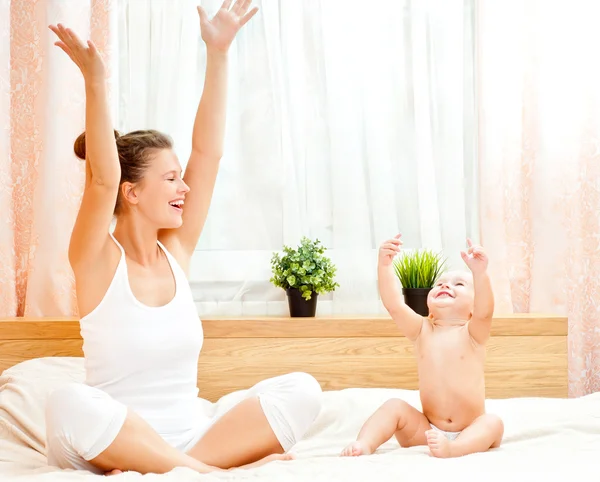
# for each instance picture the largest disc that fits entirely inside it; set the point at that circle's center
(539, 149)
(42, 112)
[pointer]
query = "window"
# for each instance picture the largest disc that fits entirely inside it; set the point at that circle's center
(348, 126)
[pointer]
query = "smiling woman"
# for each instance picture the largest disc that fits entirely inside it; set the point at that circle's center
(139, 152)
(141, 332)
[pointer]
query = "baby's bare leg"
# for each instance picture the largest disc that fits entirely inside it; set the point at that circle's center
(394, 417)
(484, 433)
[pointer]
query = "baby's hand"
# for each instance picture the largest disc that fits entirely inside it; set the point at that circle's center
(475, 258)
(389, 249)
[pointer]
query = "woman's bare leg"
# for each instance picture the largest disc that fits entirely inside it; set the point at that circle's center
(139, 448)
(243, 435)
(246, 433)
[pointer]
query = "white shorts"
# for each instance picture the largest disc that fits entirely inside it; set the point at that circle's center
(82, 421)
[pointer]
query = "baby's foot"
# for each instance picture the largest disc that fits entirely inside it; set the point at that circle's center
(355, 449)
(439, 445)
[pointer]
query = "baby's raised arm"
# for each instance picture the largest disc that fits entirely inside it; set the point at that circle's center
(483, 310)
(409, 322)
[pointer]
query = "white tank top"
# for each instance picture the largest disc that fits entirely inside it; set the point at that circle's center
(146, 357)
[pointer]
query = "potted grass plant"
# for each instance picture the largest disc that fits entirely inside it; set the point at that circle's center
(304, 273)
(418, 271)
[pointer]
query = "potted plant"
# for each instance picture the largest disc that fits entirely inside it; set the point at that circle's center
(303, 273)
(418, 271)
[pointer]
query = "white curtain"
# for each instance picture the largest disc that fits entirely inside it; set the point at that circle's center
(346, 123)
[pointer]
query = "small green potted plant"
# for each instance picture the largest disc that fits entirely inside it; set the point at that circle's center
(418, 271)
(303, 273)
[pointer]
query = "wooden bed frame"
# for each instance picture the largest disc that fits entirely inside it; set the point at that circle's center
(526, 355)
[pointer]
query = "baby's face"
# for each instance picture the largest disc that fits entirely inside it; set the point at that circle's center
(453, 295)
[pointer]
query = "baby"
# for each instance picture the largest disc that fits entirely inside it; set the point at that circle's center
(450, 350)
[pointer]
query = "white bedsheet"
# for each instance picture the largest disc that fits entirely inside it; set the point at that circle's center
(545, 439)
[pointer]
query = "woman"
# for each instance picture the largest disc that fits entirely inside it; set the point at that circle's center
(139, 408)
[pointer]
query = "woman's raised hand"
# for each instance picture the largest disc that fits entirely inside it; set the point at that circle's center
(219, 32)
(85, 56)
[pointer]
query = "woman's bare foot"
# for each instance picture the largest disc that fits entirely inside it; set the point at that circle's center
(439, 445)
(267, 459)
(113, 472)
(355, 449)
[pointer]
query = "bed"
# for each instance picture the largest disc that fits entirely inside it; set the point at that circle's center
(360, 362)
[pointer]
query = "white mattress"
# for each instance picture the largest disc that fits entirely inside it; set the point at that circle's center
(545, 439)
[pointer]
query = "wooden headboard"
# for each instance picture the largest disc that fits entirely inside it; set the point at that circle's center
(526, 355)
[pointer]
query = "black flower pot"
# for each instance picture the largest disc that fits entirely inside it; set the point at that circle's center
(416, 298)
(299, 307)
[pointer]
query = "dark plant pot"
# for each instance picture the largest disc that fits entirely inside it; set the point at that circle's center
(299, 307)
(416, 298)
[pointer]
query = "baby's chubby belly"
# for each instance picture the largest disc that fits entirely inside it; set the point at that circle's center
(452, 396)
(451, 410)
(451, 376)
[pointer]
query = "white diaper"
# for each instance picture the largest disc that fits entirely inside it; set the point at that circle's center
(449, 435)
